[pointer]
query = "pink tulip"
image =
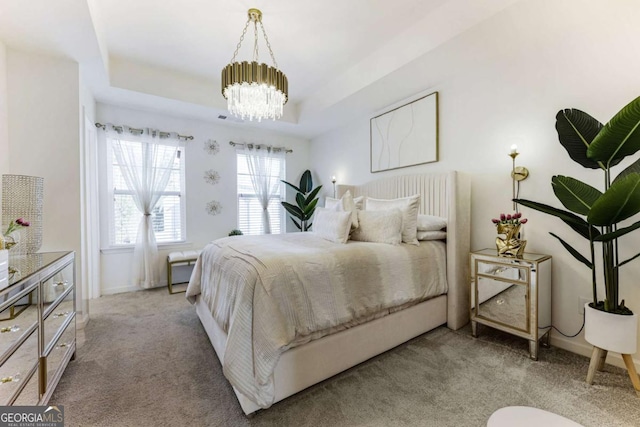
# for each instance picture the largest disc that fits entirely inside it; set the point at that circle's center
(523, 221)
(502, 217)
(508, 217)
(495, 221)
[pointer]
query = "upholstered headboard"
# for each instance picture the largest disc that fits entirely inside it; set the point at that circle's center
(447, 195)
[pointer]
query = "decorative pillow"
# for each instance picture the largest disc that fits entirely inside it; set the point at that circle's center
(431, 223)
(331, 225)
(384, 226)
(432, 235)
(330, 202)
(408, 206)
(346, 203)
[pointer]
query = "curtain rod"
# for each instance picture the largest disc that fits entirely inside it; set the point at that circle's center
(120, 129)
(286, 150)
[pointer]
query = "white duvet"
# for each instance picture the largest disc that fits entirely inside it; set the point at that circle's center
(272, 292)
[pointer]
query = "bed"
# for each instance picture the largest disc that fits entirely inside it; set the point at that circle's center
(260, 375)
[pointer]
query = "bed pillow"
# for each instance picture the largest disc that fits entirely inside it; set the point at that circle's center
(346, 203)
(384, 226)
(408, 206)
(330, 202)
(431, 223)
(432, 235)
(331, 225)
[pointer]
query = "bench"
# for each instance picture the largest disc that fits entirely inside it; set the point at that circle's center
(179, 258)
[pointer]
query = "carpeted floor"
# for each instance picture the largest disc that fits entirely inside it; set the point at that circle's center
(145, 360)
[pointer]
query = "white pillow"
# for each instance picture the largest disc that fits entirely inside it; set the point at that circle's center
(346, 203)
(432, 235)
(431, 223)
(408, 206)
(383, 226)
(330, 202)
(333, 226)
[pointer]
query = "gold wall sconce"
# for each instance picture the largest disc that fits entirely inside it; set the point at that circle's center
(518, 173)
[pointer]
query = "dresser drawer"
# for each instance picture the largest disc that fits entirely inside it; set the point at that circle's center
(60, 353)
(56, 318)
(54, 287)
(19, 319)
(30, 395)
(17, 367)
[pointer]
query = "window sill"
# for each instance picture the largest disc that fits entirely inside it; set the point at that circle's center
(123, 249)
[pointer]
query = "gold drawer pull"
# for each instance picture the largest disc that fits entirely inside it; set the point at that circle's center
(63, 345)
(61, 314)
(61, 283)
(14, 328)
(14, 378)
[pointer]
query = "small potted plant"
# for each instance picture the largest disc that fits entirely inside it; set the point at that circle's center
(596, 215)
(235, 232)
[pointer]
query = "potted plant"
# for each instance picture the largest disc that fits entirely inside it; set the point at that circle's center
(306, 201)
(595, 215)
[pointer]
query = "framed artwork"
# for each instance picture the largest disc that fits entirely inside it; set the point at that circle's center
(405, 136)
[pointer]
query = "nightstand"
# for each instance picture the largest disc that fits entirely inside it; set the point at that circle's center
(512, 295)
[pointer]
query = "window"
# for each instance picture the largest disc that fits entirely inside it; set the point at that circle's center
(167, 217)
(249, 207)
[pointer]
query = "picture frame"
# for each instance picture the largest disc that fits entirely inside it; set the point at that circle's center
(406, 135)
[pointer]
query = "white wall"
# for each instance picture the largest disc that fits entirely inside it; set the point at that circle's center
(44, 140)
(4, 118)
(201, 227)
(501, 83)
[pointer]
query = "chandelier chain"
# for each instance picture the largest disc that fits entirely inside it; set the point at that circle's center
(266, 39)
(255, 41)
(244, 32)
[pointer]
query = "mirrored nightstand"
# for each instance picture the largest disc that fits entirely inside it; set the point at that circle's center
(512, 295)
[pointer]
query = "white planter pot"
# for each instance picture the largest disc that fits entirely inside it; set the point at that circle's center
(612, 332)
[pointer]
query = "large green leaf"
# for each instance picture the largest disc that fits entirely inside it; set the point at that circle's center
(297, 224)
(292, 186)
(575, 195)
(618, 138)
(577, 255)
(308, 210)
(619, 202)
(576, 130)
(578, 224)
(633, 168)
(628, 260)
(618, 233)
(293, 210)
(301, 201)
(313, 194)
(306, 182)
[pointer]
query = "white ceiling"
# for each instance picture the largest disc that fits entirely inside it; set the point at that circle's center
(167, 55)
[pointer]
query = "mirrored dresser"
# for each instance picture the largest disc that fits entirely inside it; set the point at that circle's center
(513, 295)
(37, 325)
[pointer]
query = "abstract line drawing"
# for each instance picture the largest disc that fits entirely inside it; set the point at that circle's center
(405, 136)
(211, 177)
(214, 207)
(211, 146)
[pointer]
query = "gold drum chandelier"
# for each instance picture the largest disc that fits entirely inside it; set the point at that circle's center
(254, 90)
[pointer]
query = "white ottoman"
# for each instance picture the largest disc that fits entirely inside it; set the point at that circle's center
(179, 258)
(524, 416)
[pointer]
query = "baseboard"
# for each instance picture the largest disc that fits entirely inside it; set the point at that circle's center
(585, 349)
(128, 288)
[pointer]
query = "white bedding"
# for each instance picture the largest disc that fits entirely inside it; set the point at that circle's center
(269, 293)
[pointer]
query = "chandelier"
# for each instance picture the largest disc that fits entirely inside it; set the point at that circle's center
(254, 90)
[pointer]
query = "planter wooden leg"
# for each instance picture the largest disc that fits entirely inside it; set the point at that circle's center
(628, 361)
(603, 357)
(596, 355)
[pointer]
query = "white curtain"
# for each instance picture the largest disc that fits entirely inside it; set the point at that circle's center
(146, 164)
(264, 168)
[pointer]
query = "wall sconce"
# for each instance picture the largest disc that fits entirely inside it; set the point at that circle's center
(333, 181)
(518, 173)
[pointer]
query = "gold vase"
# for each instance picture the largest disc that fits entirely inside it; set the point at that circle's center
(510, 245)
(7, 242)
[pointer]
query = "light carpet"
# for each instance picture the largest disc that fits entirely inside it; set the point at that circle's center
(145, 360)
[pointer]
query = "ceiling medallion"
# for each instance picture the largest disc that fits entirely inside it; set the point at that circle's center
(254, 90)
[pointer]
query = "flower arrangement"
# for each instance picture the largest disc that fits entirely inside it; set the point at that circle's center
(515, 219)
(6, 240)
(16, 225)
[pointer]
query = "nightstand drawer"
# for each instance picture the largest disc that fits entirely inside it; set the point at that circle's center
(503, 303)
(502, 271)
(14, 371)
(29, 396)
(18, 319)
